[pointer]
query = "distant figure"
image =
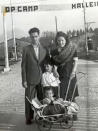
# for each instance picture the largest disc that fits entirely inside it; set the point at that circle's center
(90, 43)
(33, 58)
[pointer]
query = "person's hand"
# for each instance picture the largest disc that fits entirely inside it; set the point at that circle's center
(24, 84)
(55, 73)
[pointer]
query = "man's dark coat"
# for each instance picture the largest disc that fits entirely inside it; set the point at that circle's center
(31, 72)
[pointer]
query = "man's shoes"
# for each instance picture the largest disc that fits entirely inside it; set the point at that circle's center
(28, 122)
(32, 114)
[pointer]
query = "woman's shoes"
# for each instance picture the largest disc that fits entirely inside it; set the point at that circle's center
(75, 118)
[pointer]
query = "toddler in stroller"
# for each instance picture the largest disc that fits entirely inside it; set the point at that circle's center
(64, 106)
(53, 105)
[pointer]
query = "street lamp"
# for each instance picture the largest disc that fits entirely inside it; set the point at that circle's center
(88, 25)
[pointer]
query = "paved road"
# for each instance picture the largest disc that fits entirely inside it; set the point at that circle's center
(12, 100)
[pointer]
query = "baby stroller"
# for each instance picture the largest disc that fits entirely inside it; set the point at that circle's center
(59, 120)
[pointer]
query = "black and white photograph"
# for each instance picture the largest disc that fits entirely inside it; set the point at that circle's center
(48, 65)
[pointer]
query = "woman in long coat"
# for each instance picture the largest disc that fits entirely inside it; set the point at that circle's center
(65, 58)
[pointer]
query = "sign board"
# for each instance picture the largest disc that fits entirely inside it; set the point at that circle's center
(48, 7)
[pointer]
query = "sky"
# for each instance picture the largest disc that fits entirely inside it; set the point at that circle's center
(45, 20)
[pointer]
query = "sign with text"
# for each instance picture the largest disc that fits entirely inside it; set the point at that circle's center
(87, 4)
(48, 7)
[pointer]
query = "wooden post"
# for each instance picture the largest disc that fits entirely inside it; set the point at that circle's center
(85, 29)
(56, 24)
(7, 68)
(13, 34)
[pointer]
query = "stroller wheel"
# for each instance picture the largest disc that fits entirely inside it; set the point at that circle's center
(43, 124)
(67, 122)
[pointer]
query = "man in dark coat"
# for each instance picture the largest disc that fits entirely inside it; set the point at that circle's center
(33, 58)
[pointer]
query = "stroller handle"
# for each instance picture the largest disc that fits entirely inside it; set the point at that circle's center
(28, 100)
(75, 84)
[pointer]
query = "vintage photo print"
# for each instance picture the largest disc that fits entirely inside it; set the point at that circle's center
(48, 65)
